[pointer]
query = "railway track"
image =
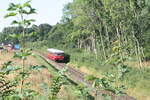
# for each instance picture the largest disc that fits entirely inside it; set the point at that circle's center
(78, 77)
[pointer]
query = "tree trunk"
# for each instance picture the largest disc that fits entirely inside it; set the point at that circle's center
(94, 45)
(103, 47)
(119, 38)
(137, 50)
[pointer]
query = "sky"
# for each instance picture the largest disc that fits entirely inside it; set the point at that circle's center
(49, 11)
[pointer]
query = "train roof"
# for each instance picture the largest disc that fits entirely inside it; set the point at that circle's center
(52, 50)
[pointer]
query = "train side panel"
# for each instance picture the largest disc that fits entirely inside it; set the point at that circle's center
(55, 57)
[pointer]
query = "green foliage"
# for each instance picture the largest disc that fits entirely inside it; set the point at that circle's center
(23, 54)
(84, 93)
(7, 68)
(10, 14)
(23, 72)
(108, 83)
(104, 34)
(57, 82)
(6, 86)
(37, 67)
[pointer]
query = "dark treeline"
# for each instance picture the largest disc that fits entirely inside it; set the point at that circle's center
(96, 25)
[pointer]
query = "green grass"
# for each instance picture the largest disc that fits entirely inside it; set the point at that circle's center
(137, 79)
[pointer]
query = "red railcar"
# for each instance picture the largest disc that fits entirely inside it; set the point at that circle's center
(55, 55)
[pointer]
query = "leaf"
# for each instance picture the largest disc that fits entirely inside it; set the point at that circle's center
(62, 72)
(37, 67)
(22, 55)
(7, 64)
(15, 35)
(29, 93)
(12, 7)
(7, 67)
(32, 11)
(27, 4)
(11, 69)
(147, 3)
(32, 34)
(24, 74)
(144, 11)
(15, 22)
(10, 14)
(107, 97)
(25, 12)
(96, 83)
(29, 21)
(90, 78)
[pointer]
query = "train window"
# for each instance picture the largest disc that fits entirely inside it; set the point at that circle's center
(60, 54)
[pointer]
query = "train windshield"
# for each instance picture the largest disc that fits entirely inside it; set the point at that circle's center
(60, 54)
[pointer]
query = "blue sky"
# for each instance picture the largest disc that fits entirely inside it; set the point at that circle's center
(49, 11)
